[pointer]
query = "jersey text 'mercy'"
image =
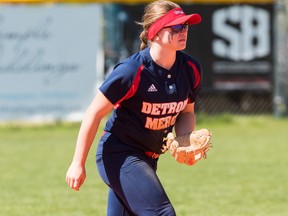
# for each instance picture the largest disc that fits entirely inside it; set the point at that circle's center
(157, 109)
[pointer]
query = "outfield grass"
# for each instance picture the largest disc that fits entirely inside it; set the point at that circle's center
(245, 174)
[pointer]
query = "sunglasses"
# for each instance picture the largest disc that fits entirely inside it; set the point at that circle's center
(178, 28)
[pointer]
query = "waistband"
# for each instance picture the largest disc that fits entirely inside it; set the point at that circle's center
(152, 154)
(149, 154)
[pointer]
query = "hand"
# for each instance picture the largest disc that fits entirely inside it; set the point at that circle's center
(189, 148)
(75, 176)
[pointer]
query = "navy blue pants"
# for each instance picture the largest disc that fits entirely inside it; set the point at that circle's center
(134, 188)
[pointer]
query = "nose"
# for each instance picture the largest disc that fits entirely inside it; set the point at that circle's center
(184, 30)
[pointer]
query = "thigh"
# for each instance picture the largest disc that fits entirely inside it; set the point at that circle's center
(132, 176)
(142, 190)
(115, 206)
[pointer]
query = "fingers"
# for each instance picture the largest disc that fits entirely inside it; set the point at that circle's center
(75, 183)
(173, 148)
(75, 176)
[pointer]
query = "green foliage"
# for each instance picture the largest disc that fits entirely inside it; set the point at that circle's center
(245, 172)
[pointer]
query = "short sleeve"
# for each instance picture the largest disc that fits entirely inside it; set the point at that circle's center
(195, 79)
(119, 81)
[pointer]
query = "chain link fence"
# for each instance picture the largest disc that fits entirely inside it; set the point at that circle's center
(242, 103)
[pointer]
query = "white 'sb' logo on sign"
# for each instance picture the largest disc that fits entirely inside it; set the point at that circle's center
(243, 33)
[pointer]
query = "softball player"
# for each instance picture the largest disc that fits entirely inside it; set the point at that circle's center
(151, 93)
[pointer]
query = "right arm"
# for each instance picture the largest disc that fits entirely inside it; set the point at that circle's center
(97, 110)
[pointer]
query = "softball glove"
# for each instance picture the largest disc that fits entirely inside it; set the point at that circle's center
(189, 148)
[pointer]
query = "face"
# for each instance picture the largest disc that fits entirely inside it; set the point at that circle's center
(174, 37)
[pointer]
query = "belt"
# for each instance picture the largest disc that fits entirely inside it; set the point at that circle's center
(152, 155)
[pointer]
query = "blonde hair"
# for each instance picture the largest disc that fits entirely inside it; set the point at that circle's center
(152, 12)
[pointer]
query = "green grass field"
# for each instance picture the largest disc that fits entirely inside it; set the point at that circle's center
(245, 173)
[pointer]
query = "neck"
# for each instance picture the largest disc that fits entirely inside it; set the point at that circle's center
(163, 57)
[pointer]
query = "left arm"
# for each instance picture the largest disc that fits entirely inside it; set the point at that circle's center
(186, 120)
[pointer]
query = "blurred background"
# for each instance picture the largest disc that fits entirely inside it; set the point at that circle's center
(54, 55)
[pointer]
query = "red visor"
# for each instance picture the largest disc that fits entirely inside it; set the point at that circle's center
(175, 16)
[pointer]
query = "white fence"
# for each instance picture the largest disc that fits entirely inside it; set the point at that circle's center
(51, 57)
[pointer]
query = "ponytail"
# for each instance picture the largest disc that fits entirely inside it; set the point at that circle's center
(144, 40)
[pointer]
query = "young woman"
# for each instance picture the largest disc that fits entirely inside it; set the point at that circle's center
(151, 93)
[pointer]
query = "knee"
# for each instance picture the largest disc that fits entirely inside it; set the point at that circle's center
(163, 210)
(166, 210)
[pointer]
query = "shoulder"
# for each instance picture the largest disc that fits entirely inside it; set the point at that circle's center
(189, 60)
(192, 67)
(128, 68)
(130, 64)
(124, 75)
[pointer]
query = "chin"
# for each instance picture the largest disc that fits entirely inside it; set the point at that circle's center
(181, 47)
